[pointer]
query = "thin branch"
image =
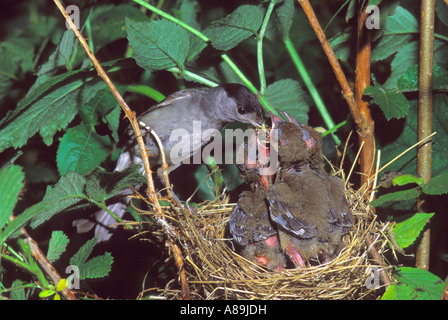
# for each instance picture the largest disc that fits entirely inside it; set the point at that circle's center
(346, 90)
(425, 115)
(378, 259)
(46, 265)
(362, 74)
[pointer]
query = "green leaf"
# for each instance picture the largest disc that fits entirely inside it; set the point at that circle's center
(104, 105)
(11, 183)
(102, 186)
(405, 58)
(393, 104)
(406, 179)
(399, 291)
(62, 54)
(108, 22)
(57, 245)
(158, 44)
(281, 20)
(407, 231)
(426, 286)
(396, 34)
(392, 197)
(409, 81)
(48, 114)
(83, 253)
(287, 95)
(437, 185)
(66, 193)
(81, 150)
(228, 32)
(96, 267)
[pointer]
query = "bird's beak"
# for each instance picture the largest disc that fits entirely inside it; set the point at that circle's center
(275, 120)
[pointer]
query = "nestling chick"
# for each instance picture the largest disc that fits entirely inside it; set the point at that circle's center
(307, 205)
(249, 221)
(252, 229)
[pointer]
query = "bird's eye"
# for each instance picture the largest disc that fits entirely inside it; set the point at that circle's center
(241, 111)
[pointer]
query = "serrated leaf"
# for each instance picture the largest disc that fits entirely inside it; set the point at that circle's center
(62, 54)
(97, 267)
(66, 193)
(407, 56)
(48, 114)
(81, 150)
(398, 196)
(407, 231)
(158, 44)
(393, 104)
(426, 285)
(83, 253)
(287, 95)
(102, 186)
(406, 179)
(281, 20)
(228, 32)
(57, 245)
(11, 183)
(104, 105)
(437, 185)
(108, 22)
(399, 27)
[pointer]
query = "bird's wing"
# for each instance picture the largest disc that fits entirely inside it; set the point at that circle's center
(238, 225)
(282, 214)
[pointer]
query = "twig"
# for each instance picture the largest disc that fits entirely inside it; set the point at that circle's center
(46, 265)
(445, 292)
(425, 115)
(366, 130)
(378, 259)
(182, 274)
(346, 90)
(360, 114)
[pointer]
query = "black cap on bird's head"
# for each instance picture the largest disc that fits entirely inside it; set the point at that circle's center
(294, 141)
(236, 103)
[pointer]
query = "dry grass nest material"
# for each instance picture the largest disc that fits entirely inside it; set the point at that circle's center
(215, 271)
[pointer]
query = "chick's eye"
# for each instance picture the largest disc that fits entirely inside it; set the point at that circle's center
(241, 111)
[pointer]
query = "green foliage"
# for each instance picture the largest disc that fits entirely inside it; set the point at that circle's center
(65, 125)
(414, 284)
(81, 150)
(158, 45)
(11, 183)
(57, 245)
(96, 267)
(407, 231)
(228, 32)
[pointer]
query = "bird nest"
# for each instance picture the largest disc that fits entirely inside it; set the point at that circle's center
(213, 270)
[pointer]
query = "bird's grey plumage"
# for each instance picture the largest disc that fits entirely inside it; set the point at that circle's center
(185, 122)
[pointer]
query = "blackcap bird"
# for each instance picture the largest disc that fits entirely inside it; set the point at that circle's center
(185, 122)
